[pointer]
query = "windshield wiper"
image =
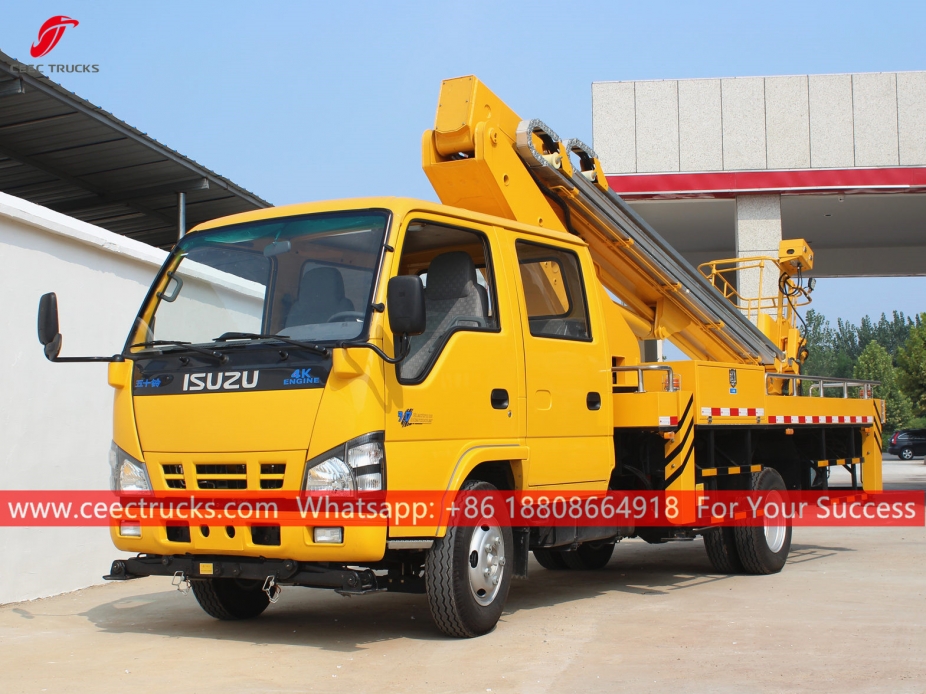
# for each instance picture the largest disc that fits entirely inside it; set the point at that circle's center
(186, 345)
(312, 347)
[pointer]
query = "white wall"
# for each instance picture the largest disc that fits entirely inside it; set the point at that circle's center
(56, 419)
(759, 123)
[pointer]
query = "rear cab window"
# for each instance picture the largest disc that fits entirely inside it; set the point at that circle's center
(553, 292)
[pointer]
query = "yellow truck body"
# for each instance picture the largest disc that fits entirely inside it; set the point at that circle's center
(540, 387)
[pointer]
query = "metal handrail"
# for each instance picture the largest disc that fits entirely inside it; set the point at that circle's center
(648, 367)
(820, 383)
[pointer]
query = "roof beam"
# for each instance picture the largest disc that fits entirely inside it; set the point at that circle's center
(36, 121)
(12, 87)
(131, 194)
(58, 173)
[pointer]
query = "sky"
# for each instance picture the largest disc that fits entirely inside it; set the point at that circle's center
(300, 101)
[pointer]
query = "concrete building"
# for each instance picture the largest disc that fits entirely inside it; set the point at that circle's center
(728, 167)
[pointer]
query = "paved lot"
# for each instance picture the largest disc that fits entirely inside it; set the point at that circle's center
(846, 614)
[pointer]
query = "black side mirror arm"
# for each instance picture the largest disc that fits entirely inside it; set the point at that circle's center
(403, 348)
(113, 358)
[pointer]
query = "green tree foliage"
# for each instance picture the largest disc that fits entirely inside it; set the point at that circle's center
(827, 355)
(874, 364)
(890, 334)
(891, 350)
(911, 363)
(835, 351)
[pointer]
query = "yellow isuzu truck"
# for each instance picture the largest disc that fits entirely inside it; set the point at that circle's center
(492, 342)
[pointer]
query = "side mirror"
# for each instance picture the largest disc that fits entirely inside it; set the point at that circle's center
(48, 325)
(405, 301)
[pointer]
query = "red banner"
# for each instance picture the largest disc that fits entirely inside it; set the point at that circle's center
(442, 508)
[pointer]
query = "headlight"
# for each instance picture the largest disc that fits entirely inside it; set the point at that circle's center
(328, 475)
(357, 465)
(126, 473)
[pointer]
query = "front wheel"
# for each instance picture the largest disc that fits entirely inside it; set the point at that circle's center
(466, 572)
(763, 549)
(230, 598)
(906, 454)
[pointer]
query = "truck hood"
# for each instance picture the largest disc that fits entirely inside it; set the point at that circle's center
(227, 422)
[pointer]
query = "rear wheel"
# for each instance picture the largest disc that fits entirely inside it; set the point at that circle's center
(906, 454)
(763, 549)
(589, 557)
(466, 575)
(550, 559)
(720, 544)
(230, 598)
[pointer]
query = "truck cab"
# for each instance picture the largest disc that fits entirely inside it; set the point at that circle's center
(260, 361)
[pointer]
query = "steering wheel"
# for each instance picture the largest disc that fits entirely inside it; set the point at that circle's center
(340, 315)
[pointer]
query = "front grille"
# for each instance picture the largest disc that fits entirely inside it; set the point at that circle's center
(173, 476)
(228, 476)
(253, 474)
(233, 469)
(271, 475)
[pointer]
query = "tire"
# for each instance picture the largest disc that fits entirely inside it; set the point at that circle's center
(550, 559)
(720, 544)
(589, 557)
(764, 549)
(906, 453)
(230, 598)
(466, 601)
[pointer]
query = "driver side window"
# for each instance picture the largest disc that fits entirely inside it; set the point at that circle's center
(455, 266)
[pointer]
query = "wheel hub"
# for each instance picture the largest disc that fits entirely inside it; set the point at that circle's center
(775, 528)
(486, 563)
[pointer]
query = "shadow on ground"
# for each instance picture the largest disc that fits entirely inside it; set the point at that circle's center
(328, 621)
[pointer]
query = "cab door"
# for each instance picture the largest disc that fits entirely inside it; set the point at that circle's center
(459, 390)
(567, 367)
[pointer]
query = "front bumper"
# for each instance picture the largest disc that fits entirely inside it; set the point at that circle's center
(283, 571)
(361, 545)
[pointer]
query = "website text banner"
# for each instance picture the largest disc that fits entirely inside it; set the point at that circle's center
(30, 508)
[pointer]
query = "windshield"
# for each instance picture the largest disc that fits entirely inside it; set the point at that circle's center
(306, 278)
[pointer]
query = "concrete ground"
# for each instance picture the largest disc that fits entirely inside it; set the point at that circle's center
(846, 614)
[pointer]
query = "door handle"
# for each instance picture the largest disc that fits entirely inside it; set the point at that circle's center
(499, 398)
(593, 401)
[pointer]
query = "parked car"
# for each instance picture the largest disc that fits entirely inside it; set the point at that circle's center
(907, 443)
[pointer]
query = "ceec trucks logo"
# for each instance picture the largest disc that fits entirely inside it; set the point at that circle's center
(50, 34)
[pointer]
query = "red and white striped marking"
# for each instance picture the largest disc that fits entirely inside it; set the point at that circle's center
(732, 411)
(778, 419)
(668, 421)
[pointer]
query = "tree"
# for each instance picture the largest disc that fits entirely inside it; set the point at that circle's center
(874, 364)
(827, 353)
(890, 334)
(836, 351)
(911, 364)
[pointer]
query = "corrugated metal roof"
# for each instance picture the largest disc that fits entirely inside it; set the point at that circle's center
(61, 151)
